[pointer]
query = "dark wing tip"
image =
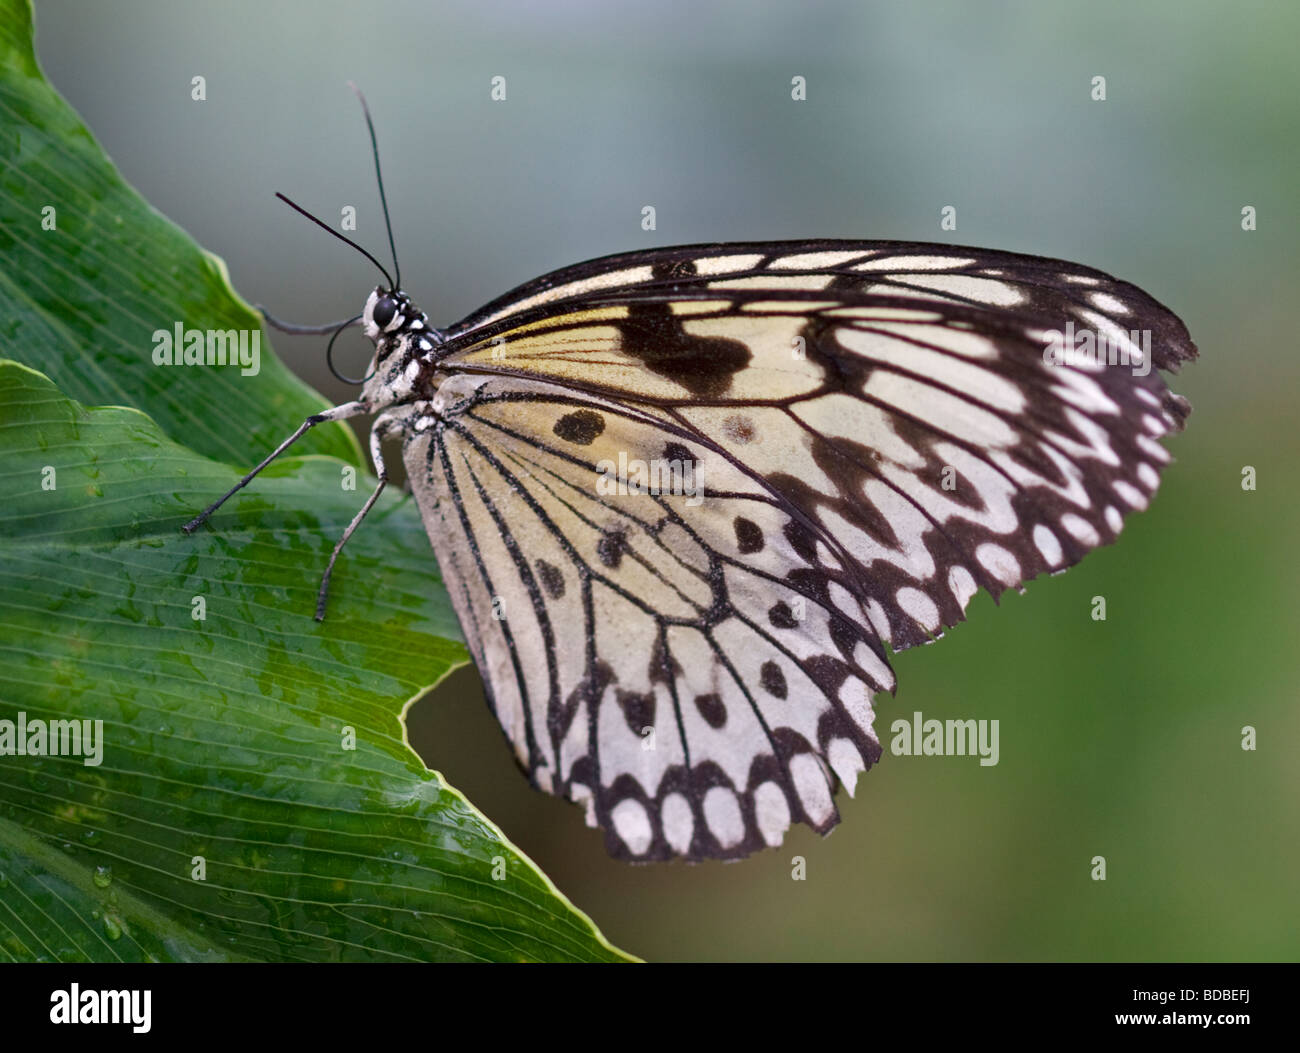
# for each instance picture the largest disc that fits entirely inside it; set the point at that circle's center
(1178, 409)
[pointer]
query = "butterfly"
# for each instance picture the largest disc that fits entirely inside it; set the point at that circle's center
(687, 501)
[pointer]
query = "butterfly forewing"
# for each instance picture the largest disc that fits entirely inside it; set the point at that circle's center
(866, 434)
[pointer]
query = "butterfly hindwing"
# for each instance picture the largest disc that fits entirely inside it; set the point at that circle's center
(873, 431)
(646, 655)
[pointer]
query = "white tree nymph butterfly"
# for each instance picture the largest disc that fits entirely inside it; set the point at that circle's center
(687, 500)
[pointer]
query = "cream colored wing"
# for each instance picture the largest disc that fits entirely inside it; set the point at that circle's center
(878, 431)
(931, 413)
(678, 661)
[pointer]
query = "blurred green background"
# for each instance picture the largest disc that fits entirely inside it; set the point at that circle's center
(1120, 738)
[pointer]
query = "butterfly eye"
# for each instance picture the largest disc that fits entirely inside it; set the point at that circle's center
(385, 308)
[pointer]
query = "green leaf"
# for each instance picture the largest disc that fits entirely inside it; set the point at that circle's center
(227, 817)
(81, 302)
(225, 735)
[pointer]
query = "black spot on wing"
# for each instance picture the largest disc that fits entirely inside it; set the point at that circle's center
(782, 617)
(552, 579)
(638, 709)
(611, 546)
(580, 427)
(773, 680)
(739, 428)
(703, 365)
(673, 269)
(711, 709)
(559, 717)
(664, 668)
(749, 536)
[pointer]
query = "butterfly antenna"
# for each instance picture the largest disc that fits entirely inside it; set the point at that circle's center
(300, 330)
(329, 355)
(326, 227)
(379, 178)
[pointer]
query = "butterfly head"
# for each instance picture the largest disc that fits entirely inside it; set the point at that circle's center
(405, 345)
(394, 324)
(385, 314)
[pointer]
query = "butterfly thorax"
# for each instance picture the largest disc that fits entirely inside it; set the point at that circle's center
(406, 350)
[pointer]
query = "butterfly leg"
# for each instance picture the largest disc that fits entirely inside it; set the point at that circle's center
(343, 412)
(385, 424)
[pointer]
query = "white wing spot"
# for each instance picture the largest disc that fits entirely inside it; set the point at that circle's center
(722, 813)
(1106, 302)
(632, 824)
(1048, 544)
(919, 607)
(879, 621)
(961, 585)
(846, 763)
(999, 562)
(1154, 450)
(1119, 340)
(856, 700)
(772, 812)
(1129, 493)
(903, 264)
(983, 290)
(710, 265)
(1113, 519)
(678, 822)
(810, 784)
(688, 307)
(870, 663)
(811, 261)
(1080, 528)
(1148, 476)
